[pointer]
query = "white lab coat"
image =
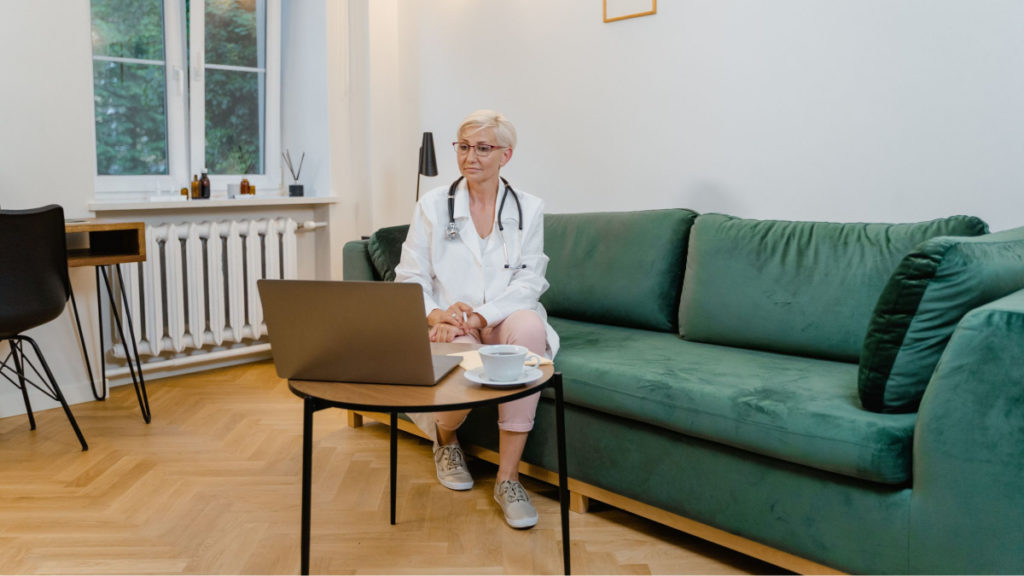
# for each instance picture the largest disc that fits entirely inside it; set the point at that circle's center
(455, 270)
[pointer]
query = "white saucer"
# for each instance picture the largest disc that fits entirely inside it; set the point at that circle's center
(529, 375)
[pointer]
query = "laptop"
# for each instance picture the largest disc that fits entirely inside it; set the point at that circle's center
(374, 332)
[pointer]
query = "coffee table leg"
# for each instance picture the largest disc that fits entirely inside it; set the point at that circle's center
(394, 463)
(307, 474)
(563, 485)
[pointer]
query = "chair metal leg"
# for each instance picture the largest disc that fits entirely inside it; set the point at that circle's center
(58, 395)
(19, 367)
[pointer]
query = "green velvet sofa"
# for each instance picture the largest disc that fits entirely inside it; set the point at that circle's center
(824, 396)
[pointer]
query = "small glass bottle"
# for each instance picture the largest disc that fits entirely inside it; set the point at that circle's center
(184, 192)
(204, 185)
(196, 192)
(244, 189)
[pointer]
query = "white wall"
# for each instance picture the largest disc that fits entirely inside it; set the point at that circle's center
(873, 110)
(47, 153)
(304, 95)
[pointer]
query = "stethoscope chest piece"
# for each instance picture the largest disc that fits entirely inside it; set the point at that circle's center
(451, 231)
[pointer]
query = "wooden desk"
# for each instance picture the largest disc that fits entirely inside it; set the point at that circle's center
(454, 392)
(110, 244)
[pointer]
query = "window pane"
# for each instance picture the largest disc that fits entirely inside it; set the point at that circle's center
(233, 34)
(128, 29)
(234, 122)
(131, 118)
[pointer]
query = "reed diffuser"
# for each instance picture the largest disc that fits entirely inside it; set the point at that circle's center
(296, 188)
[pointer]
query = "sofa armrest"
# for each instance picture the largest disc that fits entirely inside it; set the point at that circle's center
(967, 507)
(356, 263)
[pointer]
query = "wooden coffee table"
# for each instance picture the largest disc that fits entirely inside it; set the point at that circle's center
(454, 392)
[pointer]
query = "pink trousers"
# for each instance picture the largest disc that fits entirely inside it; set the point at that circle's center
(524, 328)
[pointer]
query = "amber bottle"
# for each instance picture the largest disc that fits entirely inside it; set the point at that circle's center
(204, 185)
(195, 187)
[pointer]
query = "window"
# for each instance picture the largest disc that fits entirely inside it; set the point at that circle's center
(159, 120)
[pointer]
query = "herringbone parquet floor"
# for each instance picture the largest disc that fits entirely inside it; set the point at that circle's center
(212, 486)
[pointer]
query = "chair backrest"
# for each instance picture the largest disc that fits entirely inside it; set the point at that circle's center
(34, 284)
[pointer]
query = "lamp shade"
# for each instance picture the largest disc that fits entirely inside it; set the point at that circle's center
(428, 161)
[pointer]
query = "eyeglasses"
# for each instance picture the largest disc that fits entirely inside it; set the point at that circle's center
(482, 150)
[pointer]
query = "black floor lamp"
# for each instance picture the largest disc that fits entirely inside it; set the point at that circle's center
(428, 161)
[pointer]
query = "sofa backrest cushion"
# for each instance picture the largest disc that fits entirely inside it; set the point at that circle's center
(386, 250)
(622, 268)
(930, 291)
(356, 263)
(806, 288)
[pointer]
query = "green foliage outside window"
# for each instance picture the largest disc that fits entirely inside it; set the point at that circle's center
(234, 103)
(129, 98)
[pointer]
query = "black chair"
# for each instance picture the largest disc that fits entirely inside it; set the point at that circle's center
(34, 289)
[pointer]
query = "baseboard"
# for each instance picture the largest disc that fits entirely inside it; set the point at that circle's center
(581, 492)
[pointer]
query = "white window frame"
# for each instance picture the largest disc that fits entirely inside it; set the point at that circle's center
(186, 121)
(177, 145)
(271, 180)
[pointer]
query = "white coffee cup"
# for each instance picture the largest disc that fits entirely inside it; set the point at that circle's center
(506, 362)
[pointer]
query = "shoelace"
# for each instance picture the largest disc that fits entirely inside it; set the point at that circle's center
(451, 458)
(513, 492)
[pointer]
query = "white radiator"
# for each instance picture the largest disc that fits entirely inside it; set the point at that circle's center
(197, 288)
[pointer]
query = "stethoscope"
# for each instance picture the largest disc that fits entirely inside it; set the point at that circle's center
(452, 231)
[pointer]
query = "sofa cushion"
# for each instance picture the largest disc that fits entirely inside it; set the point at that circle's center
(386, 250)
(356, 263)
(802, 410)
(623, 268)
(805, 288)
(927, 295)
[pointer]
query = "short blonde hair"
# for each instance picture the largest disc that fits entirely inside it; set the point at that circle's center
(504, 131)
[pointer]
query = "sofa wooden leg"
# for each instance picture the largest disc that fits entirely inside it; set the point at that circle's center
(355, 419)
(578, 503)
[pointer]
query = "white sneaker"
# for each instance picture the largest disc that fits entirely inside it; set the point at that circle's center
(515, 504)
(450, 463)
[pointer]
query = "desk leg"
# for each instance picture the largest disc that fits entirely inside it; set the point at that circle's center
(134, 368)
(563, 484)
(394, 463)
(99, 318)
(140, 385)
(307, 478)
(85, 352)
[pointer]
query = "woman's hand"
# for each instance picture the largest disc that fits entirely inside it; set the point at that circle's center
(458, 320)
(445, 332)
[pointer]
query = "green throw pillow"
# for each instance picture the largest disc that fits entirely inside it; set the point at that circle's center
(385, 249)
(927, 295)
(622, 268)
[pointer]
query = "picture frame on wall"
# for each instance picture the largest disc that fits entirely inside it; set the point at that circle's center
(615, 10)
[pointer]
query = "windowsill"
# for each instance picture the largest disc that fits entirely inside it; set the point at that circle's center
(215, 202)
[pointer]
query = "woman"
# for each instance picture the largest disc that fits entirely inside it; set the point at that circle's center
(482, 280)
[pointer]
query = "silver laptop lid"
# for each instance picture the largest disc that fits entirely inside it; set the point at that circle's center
(349, 331)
